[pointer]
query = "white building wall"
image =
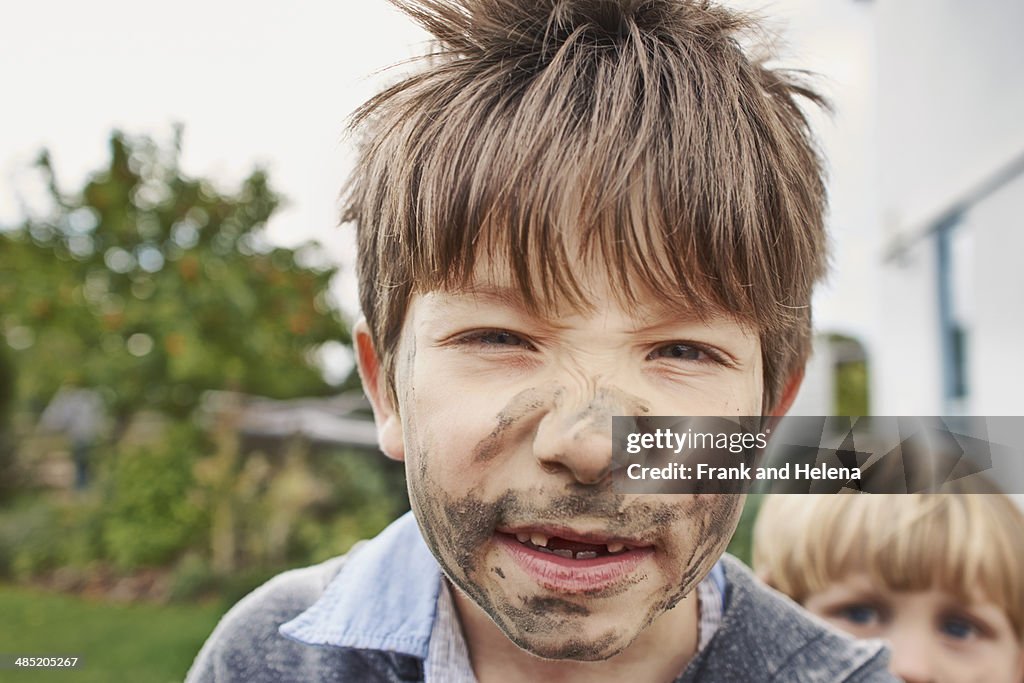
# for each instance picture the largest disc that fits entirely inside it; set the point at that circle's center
(950, 107)
(817, 393)
(904, 359)
(951, 99)
(995, 346)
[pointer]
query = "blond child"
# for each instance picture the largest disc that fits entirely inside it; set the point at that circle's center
(939, 576)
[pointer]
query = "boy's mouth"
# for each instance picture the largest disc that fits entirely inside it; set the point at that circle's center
(571, 545)
(571, 562)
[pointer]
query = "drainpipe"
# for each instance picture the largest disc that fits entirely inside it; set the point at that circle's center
(951, 372)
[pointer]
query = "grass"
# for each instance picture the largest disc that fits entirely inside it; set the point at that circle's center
(142, 643)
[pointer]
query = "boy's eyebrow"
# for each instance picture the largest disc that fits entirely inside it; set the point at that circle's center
(666, 317)
(649, 319)
(507, 296)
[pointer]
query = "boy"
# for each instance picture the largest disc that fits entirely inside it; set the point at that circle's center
(940, 576)
(578, 209)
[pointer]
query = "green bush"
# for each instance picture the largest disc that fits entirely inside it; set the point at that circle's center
(154, 504)
(193, 580)
(83, 520)
(367, 493)
(30, 538)
(8, 472)
(150, 511)
(40, 534)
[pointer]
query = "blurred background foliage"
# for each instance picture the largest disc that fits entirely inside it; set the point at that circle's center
(154, 286)
(150, 288)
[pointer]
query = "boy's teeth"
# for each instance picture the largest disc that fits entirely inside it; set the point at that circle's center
(541, 542)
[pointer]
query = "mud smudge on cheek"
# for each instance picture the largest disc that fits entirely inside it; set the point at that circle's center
(415, 451)
(519, 406)
(606, 403)
(712, 518)
(457, 530)
(717, 517)
(410, 357)
(472, 522)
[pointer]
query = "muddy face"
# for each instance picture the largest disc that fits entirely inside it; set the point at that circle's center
(459, 531)
(506, 423)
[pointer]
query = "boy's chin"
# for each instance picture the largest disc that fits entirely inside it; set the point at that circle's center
(572, 645)
(587, 637)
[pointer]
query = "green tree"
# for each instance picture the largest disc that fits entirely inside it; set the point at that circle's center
(156, 286)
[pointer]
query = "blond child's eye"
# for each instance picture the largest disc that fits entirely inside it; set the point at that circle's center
(958, 628)
(861, 615)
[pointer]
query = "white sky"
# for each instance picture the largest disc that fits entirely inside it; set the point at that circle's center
(271, 83)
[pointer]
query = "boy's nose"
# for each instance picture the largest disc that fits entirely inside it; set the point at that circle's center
(579, 445)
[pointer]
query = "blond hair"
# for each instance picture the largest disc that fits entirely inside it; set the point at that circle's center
(971, 545)
(635, 136)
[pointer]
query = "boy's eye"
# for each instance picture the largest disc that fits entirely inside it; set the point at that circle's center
(861, 615)
(497, 338)
(679, 351)
(502, 337)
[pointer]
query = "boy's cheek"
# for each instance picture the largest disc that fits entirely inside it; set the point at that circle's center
(467, 423)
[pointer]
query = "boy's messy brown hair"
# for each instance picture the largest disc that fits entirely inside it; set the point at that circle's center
(634, 135)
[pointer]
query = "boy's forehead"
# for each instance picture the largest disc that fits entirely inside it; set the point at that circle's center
(490, 284)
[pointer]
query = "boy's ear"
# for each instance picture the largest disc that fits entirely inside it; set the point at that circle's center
(789, 393)
(371, 371)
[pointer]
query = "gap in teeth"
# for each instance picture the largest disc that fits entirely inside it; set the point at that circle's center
(540, 541)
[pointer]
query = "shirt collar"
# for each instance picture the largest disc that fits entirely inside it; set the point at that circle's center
(383, 598)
